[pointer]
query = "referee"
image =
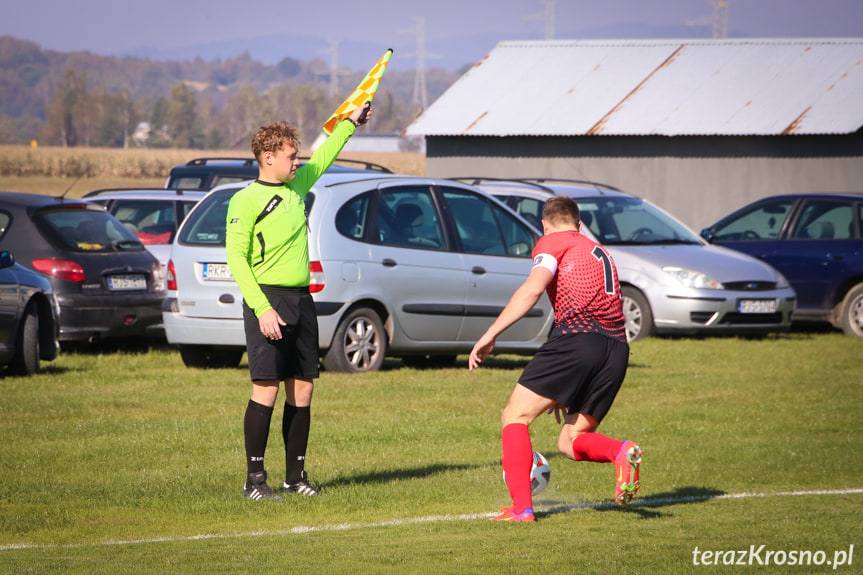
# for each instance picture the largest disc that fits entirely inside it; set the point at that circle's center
(268, 254)
(581, 366)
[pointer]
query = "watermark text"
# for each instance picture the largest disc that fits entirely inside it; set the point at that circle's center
(760, 555)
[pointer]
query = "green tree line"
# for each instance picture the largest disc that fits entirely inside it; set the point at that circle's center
(82, 99)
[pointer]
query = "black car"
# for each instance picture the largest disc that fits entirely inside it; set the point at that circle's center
(207, 173)
(29, 316)
(815, 241)
(107, 284)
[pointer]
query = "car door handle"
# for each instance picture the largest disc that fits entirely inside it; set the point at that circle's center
(389, 263)
(477, 270)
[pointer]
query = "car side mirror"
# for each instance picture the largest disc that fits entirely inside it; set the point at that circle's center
(6, 259)
(707, 234)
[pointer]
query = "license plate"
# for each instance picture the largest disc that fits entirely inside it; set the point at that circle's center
(217, 272)
(127, 282)
(756, 306)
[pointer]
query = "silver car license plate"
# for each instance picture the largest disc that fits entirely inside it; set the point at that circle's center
(217, 272)
(127, 282)
(757, 306)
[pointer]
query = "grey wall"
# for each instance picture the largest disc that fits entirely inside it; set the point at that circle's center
(698, 180)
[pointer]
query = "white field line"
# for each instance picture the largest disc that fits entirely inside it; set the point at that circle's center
(436, 519)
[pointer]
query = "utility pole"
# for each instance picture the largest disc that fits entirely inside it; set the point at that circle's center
(333, 52)
(720, 19)
(547, 15)
(420, 99)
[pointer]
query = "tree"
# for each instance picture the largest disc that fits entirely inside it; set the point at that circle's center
(243, 113)
(60, 127)
(181, 119)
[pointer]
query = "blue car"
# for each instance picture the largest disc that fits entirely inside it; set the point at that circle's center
(815, 241)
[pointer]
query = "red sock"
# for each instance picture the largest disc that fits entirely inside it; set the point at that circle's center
(517, 461)
(595, 447)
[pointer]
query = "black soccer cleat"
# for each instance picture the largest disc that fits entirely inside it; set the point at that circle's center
(302, 487)
(256, 487)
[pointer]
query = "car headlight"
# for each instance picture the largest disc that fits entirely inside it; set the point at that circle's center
(781, 282)
(692, 279)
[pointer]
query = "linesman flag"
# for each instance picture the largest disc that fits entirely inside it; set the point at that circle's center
(364, 93)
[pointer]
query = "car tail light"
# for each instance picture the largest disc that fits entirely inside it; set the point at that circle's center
(172, 276)
(318, 281)
(63, 269)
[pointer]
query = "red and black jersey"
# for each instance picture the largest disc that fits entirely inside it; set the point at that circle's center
(585, 290)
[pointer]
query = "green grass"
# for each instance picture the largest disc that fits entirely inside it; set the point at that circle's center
(132, 463)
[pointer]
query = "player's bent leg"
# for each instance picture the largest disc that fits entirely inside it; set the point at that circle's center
(524, 406)
(574, 425)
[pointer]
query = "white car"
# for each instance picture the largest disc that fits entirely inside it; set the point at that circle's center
(671, 280)
(403, 266)
(152, 214)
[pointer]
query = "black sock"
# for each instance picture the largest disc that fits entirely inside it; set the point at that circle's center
(295, 430)
(256, 429)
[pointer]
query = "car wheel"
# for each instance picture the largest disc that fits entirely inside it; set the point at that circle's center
(359, 344)
(636, 311)
(851, 314)
(429, 361)
(26, 360)
(208, 357)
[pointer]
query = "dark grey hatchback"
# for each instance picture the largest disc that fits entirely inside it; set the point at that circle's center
(107, 284)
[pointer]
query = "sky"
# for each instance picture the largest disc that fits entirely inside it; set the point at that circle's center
(455, 30)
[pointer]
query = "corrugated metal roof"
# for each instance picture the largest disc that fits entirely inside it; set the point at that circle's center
(662, 87)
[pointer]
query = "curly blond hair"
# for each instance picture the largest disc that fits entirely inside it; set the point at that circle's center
(273, 137)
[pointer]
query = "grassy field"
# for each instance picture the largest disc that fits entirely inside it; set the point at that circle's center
(132, 463)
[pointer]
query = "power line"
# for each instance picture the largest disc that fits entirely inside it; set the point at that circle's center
(420, 97)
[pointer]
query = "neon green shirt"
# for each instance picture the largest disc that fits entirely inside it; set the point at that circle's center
(266, 237)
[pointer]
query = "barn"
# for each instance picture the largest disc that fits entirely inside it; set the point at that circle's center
(699, 127)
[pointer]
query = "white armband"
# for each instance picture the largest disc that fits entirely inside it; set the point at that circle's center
(546, 261)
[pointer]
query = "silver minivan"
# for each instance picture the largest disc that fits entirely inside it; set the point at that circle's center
(671, 280)
(402, 266)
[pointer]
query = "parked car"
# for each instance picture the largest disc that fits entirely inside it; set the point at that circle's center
(207, 173)
(815, 241)
(152, 214)
(402, 266)
(107, 284)
(29, 316)
(671, 281)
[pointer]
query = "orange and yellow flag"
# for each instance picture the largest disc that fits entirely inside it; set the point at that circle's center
(364, 93)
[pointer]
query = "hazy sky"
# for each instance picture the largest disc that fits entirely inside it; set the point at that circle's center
(116, 27)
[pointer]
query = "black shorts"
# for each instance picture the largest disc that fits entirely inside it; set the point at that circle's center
(296, 354)
(582, 371)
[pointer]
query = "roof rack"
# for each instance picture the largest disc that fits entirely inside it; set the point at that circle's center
(537, 182)
(597, 185)
(475, 181)
(205, 161)
(251, 162)
(179, 191)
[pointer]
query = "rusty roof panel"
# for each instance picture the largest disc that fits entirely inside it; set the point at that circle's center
(664, 87)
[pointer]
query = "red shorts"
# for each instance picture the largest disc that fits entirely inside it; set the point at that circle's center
(582, 371)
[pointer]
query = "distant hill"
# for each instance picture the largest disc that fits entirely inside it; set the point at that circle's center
(29, 76)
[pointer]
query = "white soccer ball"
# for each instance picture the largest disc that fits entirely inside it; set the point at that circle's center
(540, 472)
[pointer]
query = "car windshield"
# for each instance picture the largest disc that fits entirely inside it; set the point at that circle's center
(205, 226)
(86, 231)
(632, 221)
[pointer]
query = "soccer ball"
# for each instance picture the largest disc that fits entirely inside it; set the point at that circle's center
(540, 472)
